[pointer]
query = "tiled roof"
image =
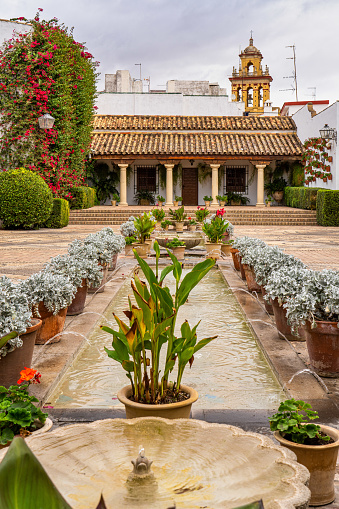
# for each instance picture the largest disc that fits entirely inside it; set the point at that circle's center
(192, 123)
(196, 144)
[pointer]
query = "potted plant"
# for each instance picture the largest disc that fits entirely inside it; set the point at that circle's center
(207, 200)
(176, 200)
(17, 331)
(315, 446)
(200, 214)
(144, 197)
(316, 308)
(159, 215)
(18, 414)
(161, 200)
(192, 224)
(49, 295)
(226, 247)
(130, 241)
(128, 229)
(269, 200)
(214, 228)
(178, 248)
(137, 344)
(115, 199)
(144, 226)
(165, 224)
(276, 188)
(222, 199)
(178, 217)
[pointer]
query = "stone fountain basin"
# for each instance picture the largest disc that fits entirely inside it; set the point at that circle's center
(195, 464)
(191, 239)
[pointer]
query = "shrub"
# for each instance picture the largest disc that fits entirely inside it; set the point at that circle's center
(60, 214)
(25, 199)
(297, 175)
(301, 197)
(328, 208)
(90, 197)
(80, 198)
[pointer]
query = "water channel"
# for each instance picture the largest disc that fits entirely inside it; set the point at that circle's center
(231, 372)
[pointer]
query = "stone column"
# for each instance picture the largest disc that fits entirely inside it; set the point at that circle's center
(123, 185)
(169, 184)
(215, 184)
(260, 185)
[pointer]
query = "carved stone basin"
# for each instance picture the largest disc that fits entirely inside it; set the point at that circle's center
(195, 464)
(191, 239)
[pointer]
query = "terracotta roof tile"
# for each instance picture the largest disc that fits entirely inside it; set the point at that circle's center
(199, 144)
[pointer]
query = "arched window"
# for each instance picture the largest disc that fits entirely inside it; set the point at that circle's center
(249, 97)
(250, 68)
(239, 94)
(261, 97)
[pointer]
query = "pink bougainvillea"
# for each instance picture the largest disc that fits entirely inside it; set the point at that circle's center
(46, 71)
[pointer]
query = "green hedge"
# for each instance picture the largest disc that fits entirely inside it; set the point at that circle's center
(301, 197)
(83, 197)
(91, 197)
(25, 199)
(60, 214)
(328, 207)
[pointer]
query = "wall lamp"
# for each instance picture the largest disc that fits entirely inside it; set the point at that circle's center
(328, 133)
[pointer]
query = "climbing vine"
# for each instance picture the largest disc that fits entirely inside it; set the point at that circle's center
(47, 71)
(316, 160)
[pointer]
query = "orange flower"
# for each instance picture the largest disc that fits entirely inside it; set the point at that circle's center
(26, 375)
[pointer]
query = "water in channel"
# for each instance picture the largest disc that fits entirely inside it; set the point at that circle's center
(230, 372)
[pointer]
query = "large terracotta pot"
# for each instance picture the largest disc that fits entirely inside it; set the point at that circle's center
(321, 461)
(323, 347)
(281, 322)
(51, 325)
(179, 227)
(235, 257)
(250, 279)
(213, 250)
(226, 249)
(20, 358)
(129, 250)
(113, 263)
(46, 427)
(78, 303)
(242, 272)
(179, 252)
(268, 305)
(278, 196)
(180, 410)
(101, 287)
(141, 249)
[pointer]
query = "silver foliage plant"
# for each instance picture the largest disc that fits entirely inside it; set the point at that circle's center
(243, 244)
(76, 268)
(128, 229)
(15, 313)
(55, 290)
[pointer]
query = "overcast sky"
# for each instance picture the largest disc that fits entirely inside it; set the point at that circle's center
(200, 39)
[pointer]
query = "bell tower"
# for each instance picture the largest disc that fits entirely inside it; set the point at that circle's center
(251, 84)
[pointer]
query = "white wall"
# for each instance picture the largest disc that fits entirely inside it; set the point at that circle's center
(8, 27)
(308, 127)
(166, 104)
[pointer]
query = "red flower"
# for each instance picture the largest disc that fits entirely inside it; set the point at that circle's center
(29, 375)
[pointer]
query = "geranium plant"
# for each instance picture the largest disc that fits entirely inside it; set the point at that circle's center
(175, 242)
(18, 414)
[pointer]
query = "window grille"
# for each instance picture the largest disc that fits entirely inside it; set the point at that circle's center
(236, 179)
(146, 178)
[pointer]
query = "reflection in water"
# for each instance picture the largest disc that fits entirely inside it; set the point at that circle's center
(231, 372)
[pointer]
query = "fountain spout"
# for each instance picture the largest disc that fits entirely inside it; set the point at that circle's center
(142, 465)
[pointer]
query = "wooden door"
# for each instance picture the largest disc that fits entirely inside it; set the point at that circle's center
(190, 186)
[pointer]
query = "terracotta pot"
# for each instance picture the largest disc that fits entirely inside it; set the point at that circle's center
(269, 204)
(207, 203)
(242, 272)
(180, 410)
(101, 287)
(179, 252)
(278, 195)
(213, 250)
(222, 203)
(179, 227)
(144, 203)
(112, 265)
(323, 347)
(141, 250)
(20, 358)
(51, 325)
(148, 243)
(268, 305)
(129, 250)
(175, 203)
(281, 322)
(226, 249)
(78, 303)
(113, 202)
(321, 461)
(46, 427)
(250, 279)
(235, 257)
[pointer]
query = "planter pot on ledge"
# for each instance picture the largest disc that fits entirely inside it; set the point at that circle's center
(250, 279)
(46, 427)
(78, 303)
(179, 252)
(235, 257)
(213, 250)
(180, 410)
(101, 287)
(51, 325)
(282, 325)
(323, 347)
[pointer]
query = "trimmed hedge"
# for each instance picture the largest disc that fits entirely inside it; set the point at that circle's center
(301, 197)
(25, 199)
(83, 197)
(60, 214)
(328, 207)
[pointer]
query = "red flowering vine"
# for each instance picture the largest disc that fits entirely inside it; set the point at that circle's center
(46, 71)
(316, 160)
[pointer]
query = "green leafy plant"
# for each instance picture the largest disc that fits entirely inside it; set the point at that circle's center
(191, 222)
(222, 197)
(277, 184)
(165, 223)
(159, 214)
(25, 199)
(178, 215)
(103, 180)
(175, 242)
(293, 424)
(130, 240)
(328, 208)
(116, 197)
(178, 198)
(137, 345)
(201, 214)
(161, 199)
(17, 411)
(207, 198)
(269, 199)
(204, 171)
(144, 225)
(215, 229)
(143, 194)
(60, 214)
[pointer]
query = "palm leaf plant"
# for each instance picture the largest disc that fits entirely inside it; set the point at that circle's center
(137, 344)
(178, 215)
